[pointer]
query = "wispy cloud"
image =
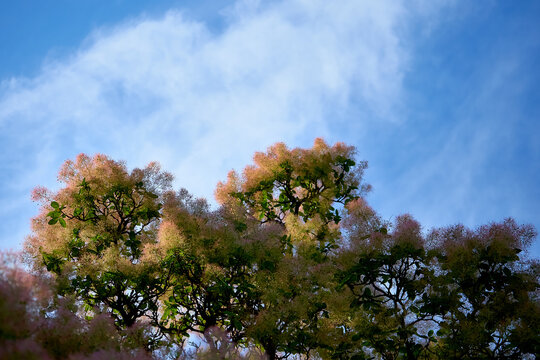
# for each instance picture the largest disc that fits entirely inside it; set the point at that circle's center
(201, 102)
(474, 156)
(446, 123)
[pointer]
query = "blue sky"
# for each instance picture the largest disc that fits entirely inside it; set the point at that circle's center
(441, 97)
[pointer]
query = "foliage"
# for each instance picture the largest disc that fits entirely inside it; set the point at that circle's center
(36, 324)
(94, 241)
(292, 264)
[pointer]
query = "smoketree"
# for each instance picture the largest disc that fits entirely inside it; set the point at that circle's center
(92, 235)
(292, 263)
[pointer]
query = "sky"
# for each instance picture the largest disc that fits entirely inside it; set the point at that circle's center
(442, 98)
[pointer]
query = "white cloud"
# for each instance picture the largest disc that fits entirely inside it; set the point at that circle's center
(169, 89)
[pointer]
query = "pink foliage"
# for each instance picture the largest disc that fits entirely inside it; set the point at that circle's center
(36, 325)
(408, 231)
(40, 194)
(508, 233)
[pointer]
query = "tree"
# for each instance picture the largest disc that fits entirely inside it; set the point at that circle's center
(492, 313)
(93, 232)
(465, 296)
(293, 263)
(388, 282)
(210, 268)
(302, 192)
(36, 324)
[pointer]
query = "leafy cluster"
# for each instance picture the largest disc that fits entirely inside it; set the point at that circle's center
(292, 264)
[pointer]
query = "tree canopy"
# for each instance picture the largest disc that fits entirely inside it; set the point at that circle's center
(293, 263)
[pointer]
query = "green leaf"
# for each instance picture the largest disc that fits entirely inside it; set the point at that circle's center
(55, 205)
(53, 221)
(62, 222)
(166, 313)
(355, 303)
(442, 332)
(240, 226)
(367, 292)
(152, 195)
(236, 323)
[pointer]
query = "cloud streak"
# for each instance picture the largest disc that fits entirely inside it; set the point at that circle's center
(201, 99)
(200, 102)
